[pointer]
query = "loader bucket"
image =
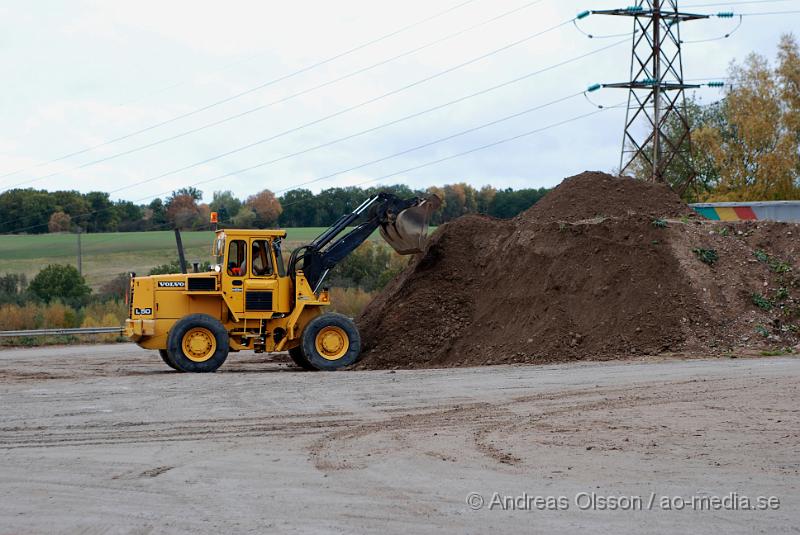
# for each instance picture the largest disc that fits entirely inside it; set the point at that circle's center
(407, 232)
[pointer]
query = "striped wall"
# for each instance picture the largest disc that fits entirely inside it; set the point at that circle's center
(788, 211)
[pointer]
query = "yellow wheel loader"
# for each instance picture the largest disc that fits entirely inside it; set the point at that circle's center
(251, 300)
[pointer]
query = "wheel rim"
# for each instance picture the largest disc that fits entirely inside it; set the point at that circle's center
(199, 344)
(332, 343)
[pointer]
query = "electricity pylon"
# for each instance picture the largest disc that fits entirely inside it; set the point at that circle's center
(656, 95)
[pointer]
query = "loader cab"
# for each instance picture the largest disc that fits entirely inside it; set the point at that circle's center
(253, 275)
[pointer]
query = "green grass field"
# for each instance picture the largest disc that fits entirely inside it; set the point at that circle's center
(106, 255)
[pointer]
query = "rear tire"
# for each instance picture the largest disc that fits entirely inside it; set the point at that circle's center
(299, 358)
(198, 343)
(331, 341)
(168, 361)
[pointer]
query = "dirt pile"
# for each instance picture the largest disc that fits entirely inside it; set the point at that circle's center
(590, 271)
(599, 195)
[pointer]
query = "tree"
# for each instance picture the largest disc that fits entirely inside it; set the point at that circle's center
(226, 205)
(59, 222)
(485, 197)
(459, 199)
(508, 203)
(182, 211)
(757, 148)
(191, 191)
(13, 288)
(101, 217)
(706, 175)
(25, 210)
(60, 282)
(789, 76)
(244, 218)
(72, 203)
(158, 213)
(116, 288)
(266, 207)
(129, 216)
(298, 208)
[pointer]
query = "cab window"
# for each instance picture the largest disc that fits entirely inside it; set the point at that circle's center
(262, 258)
(237, 258)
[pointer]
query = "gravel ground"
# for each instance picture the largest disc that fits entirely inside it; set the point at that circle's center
(105, 439)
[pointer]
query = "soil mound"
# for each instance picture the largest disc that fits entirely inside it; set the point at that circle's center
(592, 194)
(561, 282)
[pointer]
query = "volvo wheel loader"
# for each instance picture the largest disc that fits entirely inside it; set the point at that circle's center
(252, 300)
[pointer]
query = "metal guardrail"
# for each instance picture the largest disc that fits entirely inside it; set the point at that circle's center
(62, 332)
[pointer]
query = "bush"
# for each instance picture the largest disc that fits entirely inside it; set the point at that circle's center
(370, 267)
(175, 267)
(116, 288)
(17, 318)
(349, 301)
(60, 282)
(14, 288)
(59, 315)
(108, 314)
(117, 309)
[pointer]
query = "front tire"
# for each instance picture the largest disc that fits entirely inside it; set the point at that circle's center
(331, 341)
(299, 358)
(167, 360)
(198, 343)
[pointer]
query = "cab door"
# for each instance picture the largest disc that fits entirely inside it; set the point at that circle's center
(235, 274)
(261, 285)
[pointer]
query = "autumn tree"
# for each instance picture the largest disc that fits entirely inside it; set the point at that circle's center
(59, 222)
(486, 196)
(756, 149)
(182, 211)
(266, 207)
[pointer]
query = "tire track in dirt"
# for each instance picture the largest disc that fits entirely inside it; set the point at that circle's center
(141, 432)
(487, 419)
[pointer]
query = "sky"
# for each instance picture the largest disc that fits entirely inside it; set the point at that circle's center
(223, 95)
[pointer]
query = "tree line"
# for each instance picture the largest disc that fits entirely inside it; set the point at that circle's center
(39, 211)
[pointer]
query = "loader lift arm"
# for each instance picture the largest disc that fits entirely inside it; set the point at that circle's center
(403, 224)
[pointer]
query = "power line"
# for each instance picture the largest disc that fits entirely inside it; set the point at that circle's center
(502, 141)
(252, 89)
(348, 109)
(428, 144)
(285, 98)
(412, 149)
(718, 38)
(769, 13)
(487, 146)
(486, 90)
(434, 142)
(417, 114)
(735, 3)
(456, 155)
